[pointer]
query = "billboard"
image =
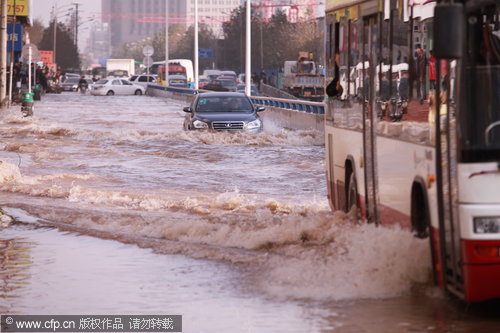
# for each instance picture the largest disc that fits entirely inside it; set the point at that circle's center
(16, 36)
(47, 57)
(21, 7)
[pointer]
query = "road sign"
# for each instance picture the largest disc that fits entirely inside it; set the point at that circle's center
(147, 61)
(16, 35)
(35, 55)
(148, 50)
(205, 53)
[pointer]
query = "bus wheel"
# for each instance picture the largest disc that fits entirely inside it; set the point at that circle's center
(352, 207)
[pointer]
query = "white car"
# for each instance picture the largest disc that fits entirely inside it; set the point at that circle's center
(143, 79)
(111, 87)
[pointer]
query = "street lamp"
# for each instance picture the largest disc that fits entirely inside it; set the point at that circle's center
(55, 28)
(76, 4)
(166, 43)
(196, 50)
(248, 51)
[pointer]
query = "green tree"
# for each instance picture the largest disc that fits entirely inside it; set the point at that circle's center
(36, 32)
(181, 45)
(66, 51)
(273, 41)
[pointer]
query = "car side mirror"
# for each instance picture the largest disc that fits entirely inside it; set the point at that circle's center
(188, 109)
(260, 108)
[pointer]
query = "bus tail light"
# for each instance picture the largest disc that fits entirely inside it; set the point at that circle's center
(488, 251)
(487, 224)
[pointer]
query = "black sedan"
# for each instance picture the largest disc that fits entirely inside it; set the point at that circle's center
(223, 111)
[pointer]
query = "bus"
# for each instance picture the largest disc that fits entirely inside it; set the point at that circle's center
(186, 63)
(413, 137)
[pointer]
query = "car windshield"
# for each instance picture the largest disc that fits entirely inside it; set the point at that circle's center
(102, 82)
(224, 104)
(227, 83)
(72, 80)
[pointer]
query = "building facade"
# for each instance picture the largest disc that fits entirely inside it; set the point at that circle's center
(134, 20)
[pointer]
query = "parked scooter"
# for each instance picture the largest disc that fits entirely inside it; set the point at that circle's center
(383, 99)
(398, 107)
(382, 107)
(83, 85)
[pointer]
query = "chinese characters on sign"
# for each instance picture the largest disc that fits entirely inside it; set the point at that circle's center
(16, 36)
(97, 323)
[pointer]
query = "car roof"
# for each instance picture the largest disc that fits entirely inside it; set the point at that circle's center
(220, 94)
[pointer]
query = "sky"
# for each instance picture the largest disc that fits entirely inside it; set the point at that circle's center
(42, 10)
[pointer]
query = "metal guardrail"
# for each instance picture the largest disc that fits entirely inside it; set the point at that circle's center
(290, 104)
(286, 104)
(274, 92)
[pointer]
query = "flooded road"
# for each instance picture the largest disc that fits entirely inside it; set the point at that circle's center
(228, 229)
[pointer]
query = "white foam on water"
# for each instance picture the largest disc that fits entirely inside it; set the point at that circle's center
(361, 261)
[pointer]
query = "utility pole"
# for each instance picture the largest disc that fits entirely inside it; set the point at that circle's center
(12, 55)
(76, 24)
(166, 43)
(196, 49)
(3, 51)
(55, 35)
(248, 53)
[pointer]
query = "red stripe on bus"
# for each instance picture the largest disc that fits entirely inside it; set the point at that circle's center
(481, 269)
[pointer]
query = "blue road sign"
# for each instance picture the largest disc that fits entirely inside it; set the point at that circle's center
(17, 36)
(205, 53)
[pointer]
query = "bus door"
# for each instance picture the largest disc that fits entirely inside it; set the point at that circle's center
(369, 65)
(444, 102)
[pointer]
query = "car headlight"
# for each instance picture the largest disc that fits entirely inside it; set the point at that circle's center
(254, 124)
(487, 224)
(199, 124)
(75, 86)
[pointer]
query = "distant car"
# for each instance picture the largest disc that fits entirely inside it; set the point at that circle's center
(223, 111)
(202, 82)
(228, 73)
(143, 79)
(68, 75)
(222, 84)
(70, 84)
(242, 78)
(118, 73)
(116, 87)
(253, 89)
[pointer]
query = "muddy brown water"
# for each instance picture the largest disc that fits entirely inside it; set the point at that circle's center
(119, 211)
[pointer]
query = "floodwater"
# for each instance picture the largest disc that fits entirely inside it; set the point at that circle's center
(119, 211)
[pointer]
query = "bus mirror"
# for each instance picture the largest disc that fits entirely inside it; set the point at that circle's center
(449, 31)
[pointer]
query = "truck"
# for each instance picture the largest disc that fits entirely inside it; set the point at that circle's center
(120, 67)
(302, 78)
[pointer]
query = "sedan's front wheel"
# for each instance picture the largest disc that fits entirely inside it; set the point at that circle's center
(138, 92)
(110, 93)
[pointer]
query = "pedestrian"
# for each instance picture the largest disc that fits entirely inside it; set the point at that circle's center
(432, 71)
(420, 64)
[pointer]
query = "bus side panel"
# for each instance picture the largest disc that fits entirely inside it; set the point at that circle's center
(399, 164)
(346, 144)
